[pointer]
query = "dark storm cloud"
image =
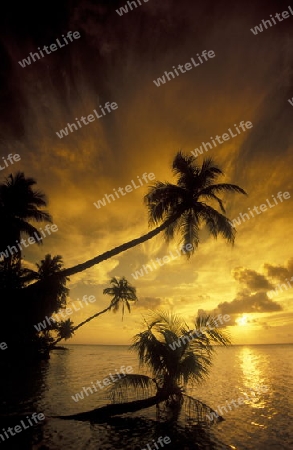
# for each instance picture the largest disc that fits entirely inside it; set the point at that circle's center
(252, 279)
(252, 298)
(149, 303)
(245, 302)
(271, 137)
(280, 272)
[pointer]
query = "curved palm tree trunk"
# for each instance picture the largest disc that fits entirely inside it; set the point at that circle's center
(200, 410)
(92, 317)
(115, 251)
(31, 292)
(105, 412)
(82, 323)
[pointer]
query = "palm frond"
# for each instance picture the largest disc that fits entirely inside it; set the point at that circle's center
(209, 172)
(186, 168)
(189, 228)
(199, 411)
(208, 325)
(217, 223)
(214, 197)
(162, 200)
(221, 187)
(189, 361)
(131, 385)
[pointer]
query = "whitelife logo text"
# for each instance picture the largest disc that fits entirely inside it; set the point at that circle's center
(128, 188)
(91, 118)
(226, 137)
(10, 158)
(53, 47)
(263, 207)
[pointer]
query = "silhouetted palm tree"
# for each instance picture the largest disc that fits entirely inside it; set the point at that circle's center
(65, 330)
(47, 267)
(23, 337)
(15, 276)
(122, 292)
(54, 292)
(181, 208)
(188, 199)
(19, 205)
(172, 367)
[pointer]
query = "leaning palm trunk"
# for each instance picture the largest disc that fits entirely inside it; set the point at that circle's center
(194, 409)
(82, 323)
(120, 290)
(106, 412)
(92, 317)
(30, 294)
(115, 251)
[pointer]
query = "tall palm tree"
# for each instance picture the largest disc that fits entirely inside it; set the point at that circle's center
(19, 205)
(181, 208)
(122, 292)
(172, 367)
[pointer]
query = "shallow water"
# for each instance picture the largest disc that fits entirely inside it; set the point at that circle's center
(261, 424)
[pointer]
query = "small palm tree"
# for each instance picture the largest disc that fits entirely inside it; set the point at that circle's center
(172, 367)
(65, 329)
(122, 292)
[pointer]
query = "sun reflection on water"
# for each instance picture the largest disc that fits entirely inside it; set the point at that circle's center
(254, 369)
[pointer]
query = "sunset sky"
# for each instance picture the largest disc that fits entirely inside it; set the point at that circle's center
(116, 60)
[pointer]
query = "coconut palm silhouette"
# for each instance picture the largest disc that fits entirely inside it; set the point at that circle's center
(122, 292)
(171, 368)
(180, 208)
(19, 205)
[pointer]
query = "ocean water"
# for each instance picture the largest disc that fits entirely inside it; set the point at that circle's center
(263, 422)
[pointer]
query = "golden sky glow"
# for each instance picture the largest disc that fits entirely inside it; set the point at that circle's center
(247, 80)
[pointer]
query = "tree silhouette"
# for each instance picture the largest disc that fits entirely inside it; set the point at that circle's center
(122, 292)
(180, 208)
(172, 368)
(20, 204)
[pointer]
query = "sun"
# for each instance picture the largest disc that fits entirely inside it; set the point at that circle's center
(242, 321)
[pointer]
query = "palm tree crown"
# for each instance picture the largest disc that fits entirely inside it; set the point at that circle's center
(47, 267)
(174, 366)
(122, 292)
(186, 201)
(20, 204)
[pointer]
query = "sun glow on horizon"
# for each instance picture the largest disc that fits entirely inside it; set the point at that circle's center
(242, 321)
